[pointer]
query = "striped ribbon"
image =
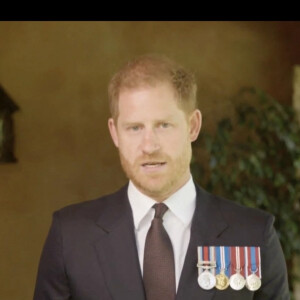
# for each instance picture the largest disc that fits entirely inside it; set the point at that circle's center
(223, 259)
(252, 261)
(206, 258)
(230, 259)
(237, 257)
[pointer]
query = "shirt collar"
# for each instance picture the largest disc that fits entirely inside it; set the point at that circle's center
(182, 203)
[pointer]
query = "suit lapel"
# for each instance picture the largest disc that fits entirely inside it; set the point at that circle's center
(118, 257)
(207, 225)
(117, 249)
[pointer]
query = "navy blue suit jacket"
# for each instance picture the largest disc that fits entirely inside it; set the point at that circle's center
(90, 252)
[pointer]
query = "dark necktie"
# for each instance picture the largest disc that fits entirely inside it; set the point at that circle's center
(159, 268)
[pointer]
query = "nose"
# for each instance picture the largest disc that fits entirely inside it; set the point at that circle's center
(150, 142)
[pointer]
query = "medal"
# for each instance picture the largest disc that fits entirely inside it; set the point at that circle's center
(223, 266)
(223, 261)
(222, 281)
(253, 281)
(206, 280)
(206, 262)
(237, 280)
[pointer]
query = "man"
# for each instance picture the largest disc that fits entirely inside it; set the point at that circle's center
(161, 236)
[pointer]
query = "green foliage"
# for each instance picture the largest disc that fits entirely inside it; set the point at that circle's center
(254, 159)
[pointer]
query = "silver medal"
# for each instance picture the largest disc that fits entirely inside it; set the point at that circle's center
(237, 281)
(206, 280)
(253, 282)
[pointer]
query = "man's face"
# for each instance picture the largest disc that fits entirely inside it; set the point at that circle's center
(154, 139)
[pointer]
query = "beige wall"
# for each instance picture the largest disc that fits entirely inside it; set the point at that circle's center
(57, 72)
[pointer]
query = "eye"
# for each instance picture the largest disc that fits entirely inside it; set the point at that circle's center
(164, 125)
(134, 128)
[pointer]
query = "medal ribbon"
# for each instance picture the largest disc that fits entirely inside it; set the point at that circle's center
(227, 260)
(238, 262)
(233, 265)
(202, 257)
(206, 258)
(246, 261)
(257, 253)
(199, 250)
(242, 260)
(218, 259)
(205, 253)
(237, 265)
(212, 254)
(252, 255)
(223, 259)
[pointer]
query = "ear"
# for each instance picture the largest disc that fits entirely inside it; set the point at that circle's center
(195, 122)
(113, 131)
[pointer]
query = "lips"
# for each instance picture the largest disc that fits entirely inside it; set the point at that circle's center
(153, 164)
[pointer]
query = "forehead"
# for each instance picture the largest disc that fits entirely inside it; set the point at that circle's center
(159, 86)
(159, 98)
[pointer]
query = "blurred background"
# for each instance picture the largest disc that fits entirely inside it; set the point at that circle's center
(57, 73)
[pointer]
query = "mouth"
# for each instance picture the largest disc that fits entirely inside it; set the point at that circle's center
(153, 165)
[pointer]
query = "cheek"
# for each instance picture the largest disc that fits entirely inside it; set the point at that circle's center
(176, 143)
(128, 148)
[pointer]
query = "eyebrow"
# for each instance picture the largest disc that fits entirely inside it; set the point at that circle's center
(126, 124)
(159, 120)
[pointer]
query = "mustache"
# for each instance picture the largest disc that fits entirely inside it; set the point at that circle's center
(151, 158)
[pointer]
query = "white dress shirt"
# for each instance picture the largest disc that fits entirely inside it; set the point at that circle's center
(177, 220)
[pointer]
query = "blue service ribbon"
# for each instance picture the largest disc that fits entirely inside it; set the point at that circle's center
(253, 260)
(218, 259)
(226, 260)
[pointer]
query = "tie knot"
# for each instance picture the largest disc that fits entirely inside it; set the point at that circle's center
(160, 209)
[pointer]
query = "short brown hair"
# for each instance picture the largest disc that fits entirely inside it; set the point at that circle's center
(148, 70)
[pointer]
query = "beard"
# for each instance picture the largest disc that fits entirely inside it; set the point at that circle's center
(159, 185)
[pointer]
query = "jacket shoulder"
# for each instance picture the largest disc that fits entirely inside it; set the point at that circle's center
(91, 209)
(246, 223)
(233, 209)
